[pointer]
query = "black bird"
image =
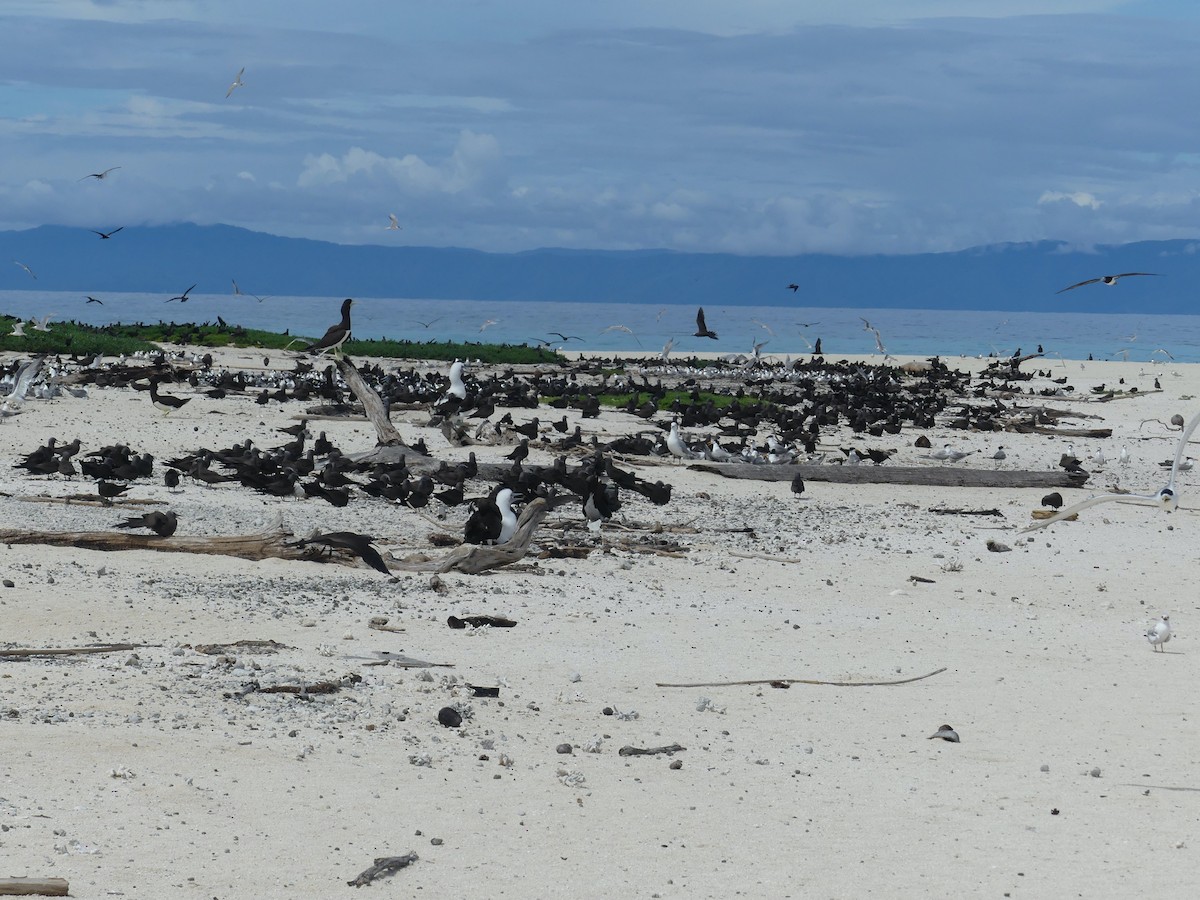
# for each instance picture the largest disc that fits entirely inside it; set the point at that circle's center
(162, 524)
(165, 402)
(182, 298)
(1054, 501)
(107, 490)
(702, 330)
(171, 479)
(520, 452)
(336, 335)
(793, 287)
(105, 235)
(100, 176)
(565, 337)
(529, 429)
(358, 544)
(600, 501)
(94, 300)
(797, 485)
(1110, 280)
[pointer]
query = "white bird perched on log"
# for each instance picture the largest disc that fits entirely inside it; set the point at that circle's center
(1159, 633)
(1166, 499)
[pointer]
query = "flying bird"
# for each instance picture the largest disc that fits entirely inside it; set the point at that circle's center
(624, 328)
(42, 324)
(703, 330)
(18, 329)
(1110, 280)
(487, 324)
(100, 176)
(1166, 499)
(105, 235)
(182, 298)
(565, 337)
(26, 268)
(91, 299)
(237, 82)
(430, 322)
(793, 287)
(393, 223)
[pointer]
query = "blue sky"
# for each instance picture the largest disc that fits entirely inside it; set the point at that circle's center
(752, 127)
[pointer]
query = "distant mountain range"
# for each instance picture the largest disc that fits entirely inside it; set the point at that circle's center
(1008, 277)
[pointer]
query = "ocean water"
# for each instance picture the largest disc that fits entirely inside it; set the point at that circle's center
(786, 329)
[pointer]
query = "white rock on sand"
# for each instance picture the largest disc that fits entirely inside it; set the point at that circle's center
(143, 774)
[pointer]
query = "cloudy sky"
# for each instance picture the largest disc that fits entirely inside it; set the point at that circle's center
(761, 126)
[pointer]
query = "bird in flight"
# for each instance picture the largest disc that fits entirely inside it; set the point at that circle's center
(624, 328)
(1167, 498)
(486, 324)
(26, 268)
(1110, 280)
(703, 330)
(430, 322)
(105, 235)
(793, 287)
(237, 82)
(100, 176)
(183, 298)
(393, 223)
(91, 299)
(564, 337)
(808, 324)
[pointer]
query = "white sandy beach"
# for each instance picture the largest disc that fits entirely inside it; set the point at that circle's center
(135, 773)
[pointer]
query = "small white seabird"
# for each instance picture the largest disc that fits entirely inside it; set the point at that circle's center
(508, 518)
(393, 222)
(1159, 633)
(457, 388)
(675, 444)
(237, 82)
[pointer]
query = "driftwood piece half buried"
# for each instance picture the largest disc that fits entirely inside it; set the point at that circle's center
(472, 559)
(28, 887)
(26, 652)
(774, 681)
(384, 865)
(1024, 428)
(270, 544)
(937, 476)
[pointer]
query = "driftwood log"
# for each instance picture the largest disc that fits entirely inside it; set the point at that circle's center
(939, 476)
(27, 887)
(271, 544)
(372, 404)
(473, 559)
(789, 681)
(1025, 428)
(384, 865)
(26, 652)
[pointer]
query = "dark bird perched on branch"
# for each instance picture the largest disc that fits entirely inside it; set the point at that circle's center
(358, 544)
(162, 524)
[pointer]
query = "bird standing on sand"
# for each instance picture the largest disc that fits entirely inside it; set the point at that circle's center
(702, 330)
(165, 403)
(237, 82)
(336, 335)
(946, 733)
(1110, 280)
(162, 524)
(1159, 633)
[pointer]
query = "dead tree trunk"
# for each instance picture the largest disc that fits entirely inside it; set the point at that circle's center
(472, 559)
(372, 405)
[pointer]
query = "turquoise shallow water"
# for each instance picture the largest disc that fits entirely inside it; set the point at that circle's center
(787, 329)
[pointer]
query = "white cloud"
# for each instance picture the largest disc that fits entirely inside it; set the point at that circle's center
(1079, 198)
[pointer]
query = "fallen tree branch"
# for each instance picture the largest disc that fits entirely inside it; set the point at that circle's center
(939, 476)
(24, 887)
(790, 681)
(946, 511)
(25, 652)
(384, 865)
(472, 559)
(372, 405)
(650, 751)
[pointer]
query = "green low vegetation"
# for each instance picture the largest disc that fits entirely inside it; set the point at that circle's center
(113, 340)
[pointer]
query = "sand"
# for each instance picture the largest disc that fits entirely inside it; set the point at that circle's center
(142, 773)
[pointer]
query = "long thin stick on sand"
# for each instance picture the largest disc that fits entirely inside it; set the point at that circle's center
(790, 681)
